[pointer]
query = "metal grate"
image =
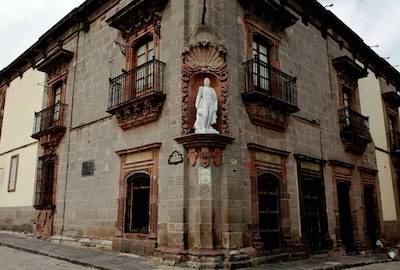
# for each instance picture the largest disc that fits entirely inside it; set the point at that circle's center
(45, 182)
(353, 122)
(137, 210)
(269, 214)
(48, 119)
(140, 81)
(264, 78)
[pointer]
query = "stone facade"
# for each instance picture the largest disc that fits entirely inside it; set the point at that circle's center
(209, 195)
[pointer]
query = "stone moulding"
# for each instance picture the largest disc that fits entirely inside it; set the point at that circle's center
(139, 111)
(205, 148)
(204, 58)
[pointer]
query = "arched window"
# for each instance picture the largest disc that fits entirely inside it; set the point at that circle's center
(269, 214)
(137, 203)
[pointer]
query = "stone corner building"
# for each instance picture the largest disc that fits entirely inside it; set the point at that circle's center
(291, 172)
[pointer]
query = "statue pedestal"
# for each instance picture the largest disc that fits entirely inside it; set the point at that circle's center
(203, 202)
(205, 147)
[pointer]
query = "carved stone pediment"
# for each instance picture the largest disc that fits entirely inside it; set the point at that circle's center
(269, 13)
(138, 14)
(55, 61)
(348, 71)
(204, 57)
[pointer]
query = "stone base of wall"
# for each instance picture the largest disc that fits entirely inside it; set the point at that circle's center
(135, 246)
(104, 245)
(392, 232)
(17, 219)
(217, 259)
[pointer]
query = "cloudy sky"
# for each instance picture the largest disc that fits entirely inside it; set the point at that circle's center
(24, 21)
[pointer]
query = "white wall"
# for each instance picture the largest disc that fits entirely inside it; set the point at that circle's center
(24, 96)
(372, 106)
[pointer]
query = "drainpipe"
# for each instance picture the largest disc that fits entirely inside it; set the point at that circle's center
(70, 128)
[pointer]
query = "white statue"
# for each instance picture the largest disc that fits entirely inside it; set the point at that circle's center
(207, 107)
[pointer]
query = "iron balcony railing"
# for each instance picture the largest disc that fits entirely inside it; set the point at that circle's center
(45, 179)
(140, 81)
(273, 83)
(354, 123)
(49, 119)
(394, 140)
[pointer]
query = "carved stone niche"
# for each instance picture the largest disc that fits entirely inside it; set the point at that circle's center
(200, 61)
(205, 148)
(204, 56)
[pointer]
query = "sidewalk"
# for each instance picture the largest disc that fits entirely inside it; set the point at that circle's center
(116, 261)
(81, 256)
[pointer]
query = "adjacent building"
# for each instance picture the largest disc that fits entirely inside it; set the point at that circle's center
(380, 101)
(293, 170)
(19, 99)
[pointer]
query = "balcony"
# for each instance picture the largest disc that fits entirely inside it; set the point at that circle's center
(394, 142)
(136, 97)
(270, 95)
(49, 121)
(354, 131)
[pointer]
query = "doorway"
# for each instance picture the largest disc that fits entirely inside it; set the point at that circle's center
(269, 212)
(370, 216)
(345, 217)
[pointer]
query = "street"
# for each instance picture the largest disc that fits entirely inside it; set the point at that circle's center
(12, 259)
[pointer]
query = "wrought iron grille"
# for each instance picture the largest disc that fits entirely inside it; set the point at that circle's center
(45, 181)
(270, 81)
(142, 80)
(354, 122)
(137, 209)
(48, 119)
(269, 214)
(394, 139)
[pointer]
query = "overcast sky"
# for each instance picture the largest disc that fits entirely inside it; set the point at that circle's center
(24, 21)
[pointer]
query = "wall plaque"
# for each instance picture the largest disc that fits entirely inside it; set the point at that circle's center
(205, 176)
(88, 168)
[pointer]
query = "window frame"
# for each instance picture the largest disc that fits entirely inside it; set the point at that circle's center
(14, 187)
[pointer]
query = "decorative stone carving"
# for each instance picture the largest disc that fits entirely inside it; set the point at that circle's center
(207, 107)
(192, 156)
(203, 58)
(217, 156)
(205, 156)
(266, 115)
(269, 13)
(139, 111)
(138, 14)
(175, 158)
(206, 147)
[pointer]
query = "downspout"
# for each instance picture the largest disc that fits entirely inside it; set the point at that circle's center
(70, 129)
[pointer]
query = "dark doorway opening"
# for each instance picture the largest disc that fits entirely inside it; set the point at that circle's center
(269, 214)
(370, 213)
(346, 225)
(312, 216)
(137, 203)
